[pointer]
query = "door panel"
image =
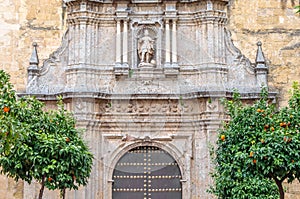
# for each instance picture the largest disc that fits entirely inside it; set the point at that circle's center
(147, 173)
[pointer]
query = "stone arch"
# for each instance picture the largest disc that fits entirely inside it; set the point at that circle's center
(167, 147)
(147, 172)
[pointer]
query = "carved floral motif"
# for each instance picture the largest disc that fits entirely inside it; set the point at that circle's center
(137, 108)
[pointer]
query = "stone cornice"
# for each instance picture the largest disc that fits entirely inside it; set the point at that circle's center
(143, 1)
(251, 95)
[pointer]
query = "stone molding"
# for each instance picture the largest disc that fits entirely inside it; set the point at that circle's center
(181, 155)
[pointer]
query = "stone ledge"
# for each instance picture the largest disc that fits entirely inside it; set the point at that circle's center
(149, 96)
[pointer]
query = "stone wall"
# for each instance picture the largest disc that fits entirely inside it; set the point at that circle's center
(24, 22)
(273, 22)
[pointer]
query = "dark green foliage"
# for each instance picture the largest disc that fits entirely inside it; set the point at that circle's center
(258, 144)
(297, 9)
(41, 145)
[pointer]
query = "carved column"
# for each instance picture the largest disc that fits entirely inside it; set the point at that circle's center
(122, 36)
(210, 41)
(82, 35)
(125, 43)
(203, 44)
(72, 36)
(89, 42)
(76, 42)
(171, 38)
(174, 43)
(168, 44)
(118, 43)
(212, 23)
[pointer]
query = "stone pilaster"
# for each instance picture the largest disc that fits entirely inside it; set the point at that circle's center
(125, 43)
(121, 65)
(118, 43)
(174, 43)
(171, 63)
(168, 43)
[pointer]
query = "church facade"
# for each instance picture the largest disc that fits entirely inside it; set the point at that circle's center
(145, 79)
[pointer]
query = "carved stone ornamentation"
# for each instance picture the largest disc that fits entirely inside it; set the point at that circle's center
(146, 50)
(146, 43)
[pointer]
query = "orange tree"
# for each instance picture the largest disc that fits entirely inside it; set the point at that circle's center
(258, 149)
(10, 127)
(63, 159)
(40, 145)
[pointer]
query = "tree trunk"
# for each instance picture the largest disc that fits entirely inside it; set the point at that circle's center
(63, 193)
(280, 187)
(42, 188)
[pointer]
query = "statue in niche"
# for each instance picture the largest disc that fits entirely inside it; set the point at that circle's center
(146, 50)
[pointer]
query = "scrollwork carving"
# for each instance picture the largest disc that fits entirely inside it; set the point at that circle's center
(138, 108)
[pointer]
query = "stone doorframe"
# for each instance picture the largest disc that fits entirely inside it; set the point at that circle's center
(182, 156)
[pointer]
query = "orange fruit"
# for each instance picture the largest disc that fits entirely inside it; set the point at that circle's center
(282, 124)
(251, 154)
(68, 140)
(222, 137)
(254, 161)
(6, 109)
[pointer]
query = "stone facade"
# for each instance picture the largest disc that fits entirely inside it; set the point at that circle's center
(172, 101)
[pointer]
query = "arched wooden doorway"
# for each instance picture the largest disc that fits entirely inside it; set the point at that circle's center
(147, 172)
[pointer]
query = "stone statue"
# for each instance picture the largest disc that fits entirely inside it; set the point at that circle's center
(146, 48)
